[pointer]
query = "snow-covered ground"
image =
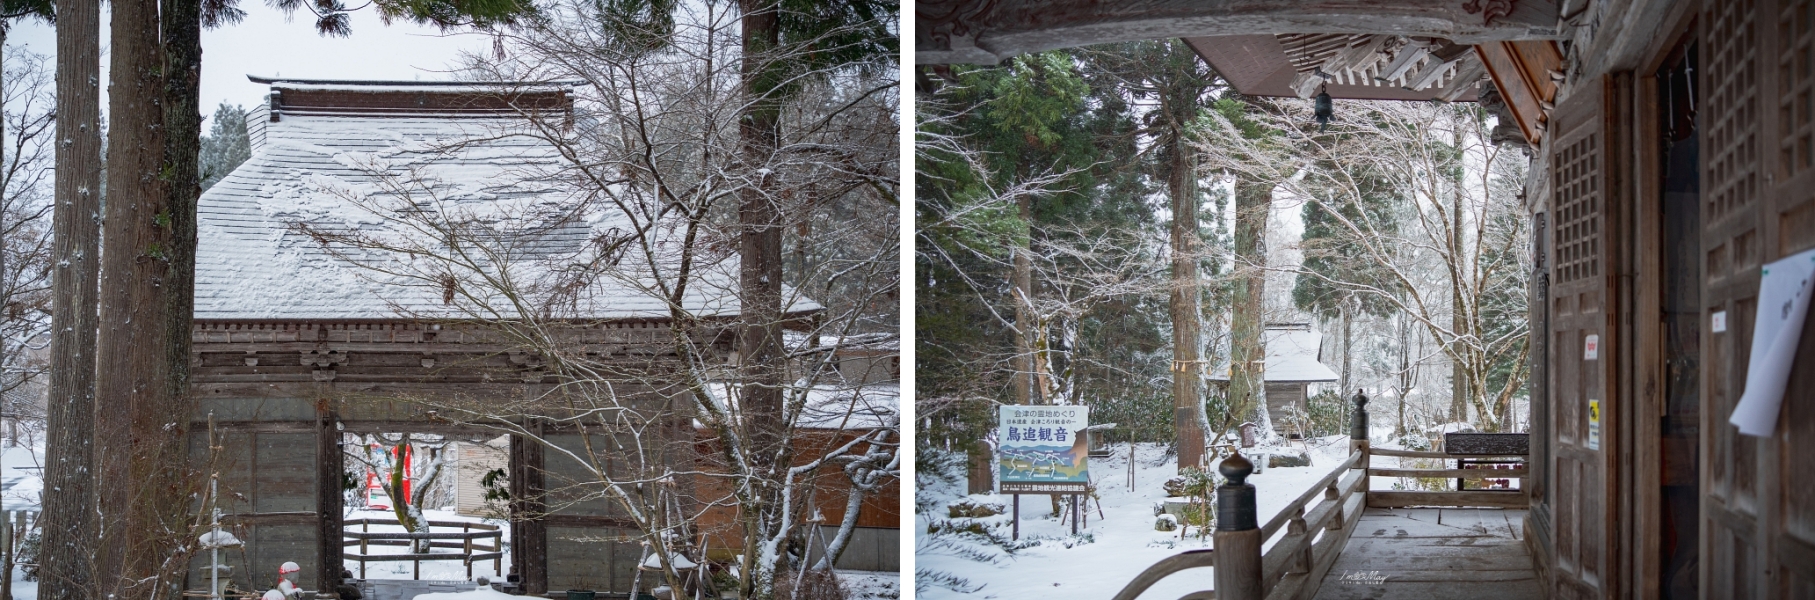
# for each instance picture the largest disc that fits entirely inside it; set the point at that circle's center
(21, 478)
(434, 569)
(1105, 555)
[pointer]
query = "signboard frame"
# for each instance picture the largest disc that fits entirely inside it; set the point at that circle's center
(1043, 464)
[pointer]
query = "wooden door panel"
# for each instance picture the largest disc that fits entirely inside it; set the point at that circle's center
(1584, 195)
(1758, 174)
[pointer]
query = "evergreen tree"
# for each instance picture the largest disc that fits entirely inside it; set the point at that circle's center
(1336, 273)
(226, 145)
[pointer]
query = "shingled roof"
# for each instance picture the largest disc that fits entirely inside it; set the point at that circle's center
(321, 143)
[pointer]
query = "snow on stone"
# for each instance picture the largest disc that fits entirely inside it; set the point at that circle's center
(219, 539)
(680, 563)
(350, 173)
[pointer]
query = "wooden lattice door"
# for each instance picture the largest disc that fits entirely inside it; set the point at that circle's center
(1758, 183)
(1585, 196)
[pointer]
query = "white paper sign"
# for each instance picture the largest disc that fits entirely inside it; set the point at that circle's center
(1783, 303)
(1591, 348)
(1720, 322)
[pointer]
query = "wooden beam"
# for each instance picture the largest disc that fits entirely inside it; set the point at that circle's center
(1449, 473)
(1426, 454)
(329, 467)
(1401, 498)
(966, 31)
(1522, 72)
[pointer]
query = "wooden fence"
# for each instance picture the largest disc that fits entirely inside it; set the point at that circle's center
(468, 537)
(1316, 525)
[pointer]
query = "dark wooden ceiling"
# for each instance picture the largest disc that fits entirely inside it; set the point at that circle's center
(1348, 66)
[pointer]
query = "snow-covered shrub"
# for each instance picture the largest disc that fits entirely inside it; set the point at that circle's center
(28, 554)
(1165, 523)
(815, 584)
(1328, 414)
(973, 510)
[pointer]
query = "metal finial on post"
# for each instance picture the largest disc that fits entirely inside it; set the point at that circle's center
(1358, 426)
(1237, 533)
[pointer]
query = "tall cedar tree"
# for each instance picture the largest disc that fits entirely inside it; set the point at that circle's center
(785, 43)
(147, 284)
(1178, 83)
(65, 558)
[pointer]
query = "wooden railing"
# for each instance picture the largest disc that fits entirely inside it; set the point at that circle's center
(467, 542)
(1507, 498)
(1315, 526)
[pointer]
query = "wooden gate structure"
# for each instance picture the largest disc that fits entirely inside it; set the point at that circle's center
(293, 349)
(1673, 155)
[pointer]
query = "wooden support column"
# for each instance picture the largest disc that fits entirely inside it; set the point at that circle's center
(528, 531)
(330, 467)
(1237, 538)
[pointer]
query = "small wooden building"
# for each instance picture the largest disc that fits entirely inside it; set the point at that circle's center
(1294, 361)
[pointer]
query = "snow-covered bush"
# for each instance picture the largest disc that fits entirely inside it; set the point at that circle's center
(1165, 523)
(814, 584)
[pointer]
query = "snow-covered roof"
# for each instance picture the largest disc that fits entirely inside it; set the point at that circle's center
(873, 406)
(1291, 357)
(337, 150)
(869, 406)
(799, 341)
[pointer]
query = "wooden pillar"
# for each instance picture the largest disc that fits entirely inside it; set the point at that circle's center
(329, 500)
(528, 531)
(1358, 425)
(1237, 533)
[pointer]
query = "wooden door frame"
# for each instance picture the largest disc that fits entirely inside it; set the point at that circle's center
(1643, 369)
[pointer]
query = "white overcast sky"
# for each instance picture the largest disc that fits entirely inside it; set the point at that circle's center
(266, 44)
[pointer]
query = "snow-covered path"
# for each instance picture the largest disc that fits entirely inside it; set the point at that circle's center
(1111, 550)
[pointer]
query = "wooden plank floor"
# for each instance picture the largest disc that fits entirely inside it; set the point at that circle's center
(1418, 553)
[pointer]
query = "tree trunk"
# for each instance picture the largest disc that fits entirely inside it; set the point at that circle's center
(1348, 356)
(1187, 365)
(1460, 391)
(1025, 390)
(980, 478)
(760, 279)
(134, 348)
(1247, 395)
(161, 426)
(1406, 379)
(6, 296)
(65, 558)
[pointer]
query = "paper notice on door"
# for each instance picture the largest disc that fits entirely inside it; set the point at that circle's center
(1594, 424)
(1783, 304)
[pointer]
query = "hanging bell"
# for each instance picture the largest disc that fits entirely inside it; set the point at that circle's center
(1323, 108)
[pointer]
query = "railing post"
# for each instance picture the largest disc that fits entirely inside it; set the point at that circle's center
(1237, 533)
(1358, 442)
